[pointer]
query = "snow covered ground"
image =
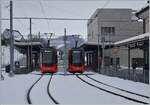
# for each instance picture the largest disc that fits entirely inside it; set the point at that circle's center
(68, 90)
(124, 84)
(13, 90)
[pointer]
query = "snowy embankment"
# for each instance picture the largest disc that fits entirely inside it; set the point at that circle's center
(67, 89)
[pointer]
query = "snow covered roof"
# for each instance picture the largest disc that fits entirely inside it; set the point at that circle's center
(95, 43)
(23, 46)
(135, 38)
(89, 43)
(142, 10)
(27, 43)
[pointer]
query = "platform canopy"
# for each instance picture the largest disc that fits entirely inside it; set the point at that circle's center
(23, 46)
(93, 45)
(133, 39)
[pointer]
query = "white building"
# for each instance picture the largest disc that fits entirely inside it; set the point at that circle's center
(118, 23)
(112, 24)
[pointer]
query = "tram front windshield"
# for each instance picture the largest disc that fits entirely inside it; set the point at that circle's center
(76, 57)
(47, 58)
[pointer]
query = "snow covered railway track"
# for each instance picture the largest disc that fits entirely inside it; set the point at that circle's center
(29, 91)
(117, 87)
(48, 92)
(111, 92)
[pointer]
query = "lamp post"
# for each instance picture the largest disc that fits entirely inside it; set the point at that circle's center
(1, 76)
(31, 56)
(11, 41)
(65, 50)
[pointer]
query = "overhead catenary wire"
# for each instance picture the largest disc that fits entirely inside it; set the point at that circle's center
(106, 3)
(7, 8)
(65, 18)
(44, 14)
(45, 18)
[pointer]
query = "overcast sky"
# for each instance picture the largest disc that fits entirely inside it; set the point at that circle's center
(60, 9)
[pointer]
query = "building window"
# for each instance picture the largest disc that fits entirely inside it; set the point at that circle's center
(118, 61)
(139, 61)
(111, 61)
(108, 30)
(92, 34)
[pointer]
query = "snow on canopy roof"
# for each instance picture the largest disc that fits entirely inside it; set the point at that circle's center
(139, 37)
(27, 43)
(142, 10)
(96, 43)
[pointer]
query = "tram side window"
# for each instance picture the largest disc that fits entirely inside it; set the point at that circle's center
(76, 57)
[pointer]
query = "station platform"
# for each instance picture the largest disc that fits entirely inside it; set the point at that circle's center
(32, 52)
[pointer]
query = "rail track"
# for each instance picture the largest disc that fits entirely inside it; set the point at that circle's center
(111, 92)
(116, 87)
(29, 91)
(48, 90)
